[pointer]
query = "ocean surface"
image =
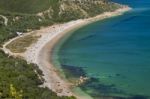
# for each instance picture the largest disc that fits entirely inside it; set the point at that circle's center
(113, 53)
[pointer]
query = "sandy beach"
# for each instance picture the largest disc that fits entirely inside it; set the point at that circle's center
(39, 52)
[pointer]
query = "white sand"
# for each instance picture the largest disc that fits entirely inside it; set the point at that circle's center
(39, 52)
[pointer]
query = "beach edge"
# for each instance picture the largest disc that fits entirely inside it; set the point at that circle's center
(46, 51)
(40, 52)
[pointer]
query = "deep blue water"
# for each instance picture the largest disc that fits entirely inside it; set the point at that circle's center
(115, 53)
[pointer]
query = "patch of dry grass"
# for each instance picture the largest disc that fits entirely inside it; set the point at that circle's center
(21, 44)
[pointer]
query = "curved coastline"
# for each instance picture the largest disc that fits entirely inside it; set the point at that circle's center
(45, 57)
(39, 52)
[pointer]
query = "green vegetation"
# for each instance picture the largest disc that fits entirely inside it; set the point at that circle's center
(21, 23)
(19, 81)
(20, 45)
(24, 16)
(17, 78)
(24, 6)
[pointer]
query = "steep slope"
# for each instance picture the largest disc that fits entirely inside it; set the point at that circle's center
(65, 10)
(24, 6)
(33, 7)
(26, 15)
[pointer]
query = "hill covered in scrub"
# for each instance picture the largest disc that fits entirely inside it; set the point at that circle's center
(18, 80)
(26, 15)
(33, 7)
(24, 6)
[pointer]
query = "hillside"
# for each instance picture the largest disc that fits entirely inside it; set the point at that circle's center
(27, 15)
(24, 6)
(32, 7)
(18, 81)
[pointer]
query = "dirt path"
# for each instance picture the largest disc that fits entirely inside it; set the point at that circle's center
(5, 19)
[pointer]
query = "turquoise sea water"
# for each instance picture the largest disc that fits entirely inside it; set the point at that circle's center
(114, 53)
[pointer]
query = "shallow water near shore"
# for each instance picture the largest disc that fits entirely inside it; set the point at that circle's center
(114, 53)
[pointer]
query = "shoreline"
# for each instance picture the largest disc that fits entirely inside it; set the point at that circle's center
(40, 52)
